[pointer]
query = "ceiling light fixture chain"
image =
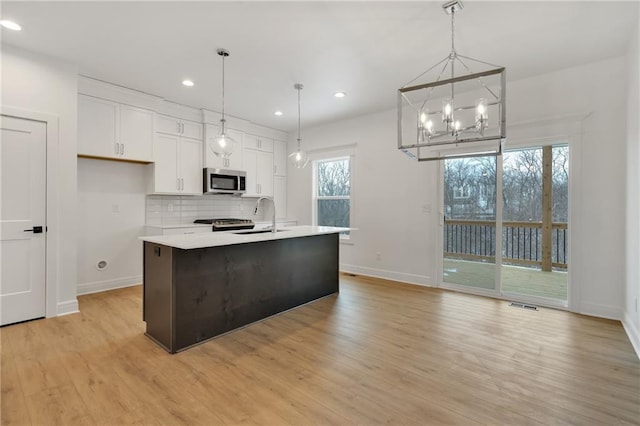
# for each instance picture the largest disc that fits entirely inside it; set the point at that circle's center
(299, 87)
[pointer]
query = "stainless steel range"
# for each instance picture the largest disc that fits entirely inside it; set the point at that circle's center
(227, 224)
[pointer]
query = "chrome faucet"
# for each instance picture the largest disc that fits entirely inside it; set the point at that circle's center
(255, 212)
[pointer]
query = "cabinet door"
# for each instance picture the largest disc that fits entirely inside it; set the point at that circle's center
(191, 129)
(280, 196)
(165, 171)
(265, 173)
(136, 133)
(234, 162)
(98, 127)
(190, 166)
(166, 124)
(279, 158)
(258, 142)
(250, 165)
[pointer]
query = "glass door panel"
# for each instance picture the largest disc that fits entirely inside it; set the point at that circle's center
(469, 231)
(535, 185)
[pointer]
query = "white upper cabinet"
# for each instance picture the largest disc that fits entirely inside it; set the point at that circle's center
(234, 161)
(111, 130)
(178, 166)
(259, 168)
(258, 142)
(279, 158)
(178, 127)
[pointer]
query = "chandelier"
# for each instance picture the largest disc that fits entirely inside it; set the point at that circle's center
(451, 110)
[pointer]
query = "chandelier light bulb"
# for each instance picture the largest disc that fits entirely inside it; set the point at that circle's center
(447, 110)
(482, 115)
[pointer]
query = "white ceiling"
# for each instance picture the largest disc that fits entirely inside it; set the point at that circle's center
(368, 49)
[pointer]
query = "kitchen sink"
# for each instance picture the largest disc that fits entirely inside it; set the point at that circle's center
(257, 231)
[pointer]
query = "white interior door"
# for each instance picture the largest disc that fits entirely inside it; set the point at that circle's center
(22, 220)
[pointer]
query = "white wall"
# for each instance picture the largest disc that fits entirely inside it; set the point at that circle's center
(389, 193)
(111, 216)
(391, 190)
(631, 318)
(39, 83)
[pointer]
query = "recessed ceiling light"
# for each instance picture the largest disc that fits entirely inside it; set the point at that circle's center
(278, 113)
(187, 83)
(340, 94)
(10, 25)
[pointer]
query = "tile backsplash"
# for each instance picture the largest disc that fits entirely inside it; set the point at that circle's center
(176, 209)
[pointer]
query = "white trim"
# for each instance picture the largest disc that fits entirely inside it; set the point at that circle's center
(68, 307)
(601, 311)
(421, 280)
(53, 235)
(632, 333)
(98, 286)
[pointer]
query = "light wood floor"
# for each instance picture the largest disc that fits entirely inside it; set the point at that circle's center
(379, 352)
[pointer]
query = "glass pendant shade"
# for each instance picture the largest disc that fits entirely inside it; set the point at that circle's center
(223, 145)
(299, 159)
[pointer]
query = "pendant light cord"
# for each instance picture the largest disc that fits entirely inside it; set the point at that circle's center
(299, 138)
(223, 120)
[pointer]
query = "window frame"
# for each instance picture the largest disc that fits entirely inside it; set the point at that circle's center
(348, 238)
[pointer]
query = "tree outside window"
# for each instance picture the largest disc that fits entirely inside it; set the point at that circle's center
(333, 193)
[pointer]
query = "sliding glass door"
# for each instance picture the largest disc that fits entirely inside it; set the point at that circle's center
(516, 248)
(469, 249)
(535, 214)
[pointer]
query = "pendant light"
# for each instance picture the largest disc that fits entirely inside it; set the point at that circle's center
(223, 145)
(299, 158)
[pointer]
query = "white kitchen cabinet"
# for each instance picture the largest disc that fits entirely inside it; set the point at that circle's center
(279, 158)
(258, 143)
(178, 166)
(234, 161)
(259, 168)
(111, 130)
(280, 196)
(178, 127)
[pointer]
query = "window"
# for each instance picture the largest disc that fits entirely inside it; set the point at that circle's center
(332, 193)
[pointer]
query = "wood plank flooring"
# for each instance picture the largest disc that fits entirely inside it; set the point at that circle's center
(379, 352)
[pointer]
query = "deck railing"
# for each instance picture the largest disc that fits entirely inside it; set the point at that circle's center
(522, 242)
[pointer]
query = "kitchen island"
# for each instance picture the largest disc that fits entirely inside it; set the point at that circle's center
(198, 286)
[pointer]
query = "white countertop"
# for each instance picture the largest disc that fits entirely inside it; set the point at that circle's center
(182, 225)
(215, 239)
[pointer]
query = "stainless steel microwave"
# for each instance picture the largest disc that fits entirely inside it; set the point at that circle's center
(222, 181)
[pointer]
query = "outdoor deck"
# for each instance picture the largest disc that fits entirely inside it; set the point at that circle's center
(515, 279)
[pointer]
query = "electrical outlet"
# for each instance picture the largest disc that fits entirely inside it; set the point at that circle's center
(115, 208)
(378, 256)
(426, 208)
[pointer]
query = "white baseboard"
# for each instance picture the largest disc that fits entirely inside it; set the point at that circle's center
(68, 307)
(402, 277)
(99, 286)
(632, 332)
(602, 311)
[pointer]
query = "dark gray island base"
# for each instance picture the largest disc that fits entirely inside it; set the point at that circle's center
(191, 295)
